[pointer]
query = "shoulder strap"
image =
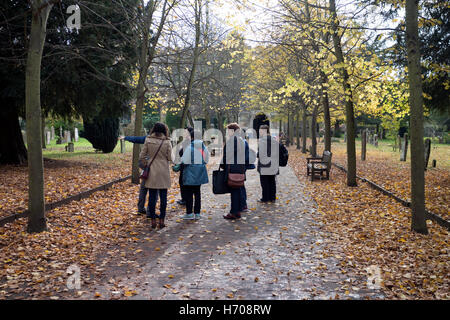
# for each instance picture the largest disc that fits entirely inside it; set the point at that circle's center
(154, 157)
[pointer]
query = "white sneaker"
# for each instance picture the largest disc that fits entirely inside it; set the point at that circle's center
(197, 216)
(188, 216)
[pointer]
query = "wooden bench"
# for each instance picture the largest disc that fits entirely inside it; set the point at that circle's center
(316, 166)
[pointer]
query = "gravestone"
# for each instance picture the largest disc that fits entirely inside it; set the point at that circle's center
(48, 135)
(52, 133)
(434, 163)
(363, 145)
(427, 152)
(70, 147)
(76, 136)
(67, 136)
(375, 140)
(345, 137)
(404, 147)
(61, 133)
(122, 146)
(24, 136)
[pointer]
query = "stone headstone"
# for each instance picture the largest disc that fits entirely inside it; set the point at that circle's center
(404, 147)
(363, 144)
(76, 136)
(427, 152)
(122, 146)
(70, 147)
(61, 133)
(24, 136)
(48, 135)
(67, 136)
(52, 133)
(375, 140)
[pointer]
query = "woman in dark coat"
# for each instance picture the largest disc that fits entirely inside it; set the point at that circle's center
(234, 161)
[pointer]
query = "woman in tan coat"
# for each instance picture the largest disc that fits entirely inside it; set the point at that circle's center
(157, 147)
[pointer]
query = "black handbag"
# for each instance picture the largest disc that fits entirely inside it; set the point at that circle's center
(219, 182)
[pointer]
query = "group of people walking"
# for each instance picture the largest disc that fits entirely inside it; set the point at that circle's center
(156, 159)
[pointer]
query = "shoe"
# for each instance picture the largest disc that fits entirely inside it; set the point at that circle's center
(142, 212)
(153, 223)
(198, 216)
(161, 223)
(245, 209)
(231, 216)
(262, 201)
(181, 202)
(189, 216)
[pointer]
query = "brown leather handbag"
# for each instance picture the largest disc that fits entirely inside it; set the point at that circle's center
(235, 180)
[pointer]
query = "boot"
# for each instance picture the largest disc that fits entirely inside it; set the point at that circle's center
(153, 223)
(161, 223)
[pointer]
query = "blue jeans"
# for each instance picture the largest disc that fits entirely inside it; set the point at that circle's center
(153, 198)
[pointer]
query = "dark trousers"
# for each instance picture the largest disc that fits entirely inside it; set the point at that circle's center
(237, 200)
(153, 198)
(190, 193)
(243, 198)
(182, 187)
(269, 187)
(142, 195)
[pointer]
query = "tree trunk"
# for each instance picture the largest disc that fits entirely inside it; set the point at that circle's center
(349, 110)
(36, 202)
(187, 100)
(139, 113)
(148, 49)
(313, 150)
(418, 221)
(12, 146)
(298, 130)
(304, 129)
(326, 113)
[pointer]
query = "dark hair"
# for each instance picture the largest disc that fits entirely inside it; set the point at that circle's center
(233, 126)
(159, 129)
(191, 132)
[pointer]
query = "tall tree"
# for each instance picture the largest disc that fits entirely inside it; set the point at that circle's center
(418, 221)
(147, 43)
(40, 11)
(349, 109)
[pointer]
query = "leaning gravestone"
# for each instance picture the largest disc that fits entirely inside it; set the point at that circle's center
(404, 147)
(363, 144)
(76, 136)
(427, 152)
(48, 135)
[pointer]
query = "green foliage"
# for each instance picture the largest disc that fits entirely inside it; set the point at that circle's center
(102, 132)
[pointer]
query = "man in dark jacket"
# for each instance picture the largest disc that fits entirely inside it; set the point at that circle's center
(268, 164)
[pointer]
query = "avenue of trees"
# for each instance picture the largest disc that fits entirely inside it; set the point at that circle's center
(317, 63)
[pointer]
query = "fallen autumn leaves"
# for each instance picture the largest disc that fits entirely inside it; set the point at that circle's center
(35, 265)
(374, 230)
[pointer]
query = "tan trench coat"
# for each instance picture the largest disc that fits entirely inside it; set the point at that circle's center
(159, 177)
